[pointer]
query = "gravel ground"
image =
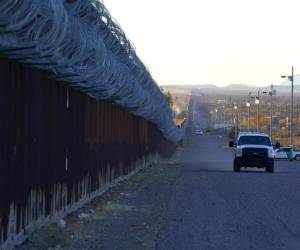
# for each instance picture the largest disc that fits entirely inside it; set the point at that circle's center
(128, 216)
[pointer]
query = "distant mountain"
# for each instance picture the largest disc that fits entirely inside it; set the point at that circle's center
(212, 86)
(237, 86)
(235, 89)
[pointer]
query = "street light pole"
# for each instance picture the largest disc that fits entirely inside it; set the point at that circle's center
(271, 111)
(236, 121)
(292, 110)
(217, 118)
(291, 78)
(257, 112)
(297, 116)
(248, 106)
(271, 93)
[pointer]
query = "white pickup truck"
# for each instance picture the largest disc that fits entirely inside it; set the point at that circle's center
(287, 153)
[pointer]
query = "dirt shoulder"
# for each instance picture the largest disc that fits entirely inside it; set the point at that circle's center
(127, 216)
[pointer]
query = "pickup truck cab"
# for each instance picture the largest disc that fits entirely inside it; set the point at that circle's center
(253, 150)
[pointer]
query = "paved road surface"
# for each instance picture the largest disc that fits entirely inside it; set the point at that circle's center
(197, 202)
(214, 208)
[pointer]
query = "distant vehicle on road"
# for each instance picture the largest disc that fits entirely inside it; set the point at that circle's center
(287, 153)
(199, 132)
(253, 150)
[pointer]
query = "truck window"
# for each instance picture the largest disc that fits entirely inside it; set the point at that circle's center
(257, 140)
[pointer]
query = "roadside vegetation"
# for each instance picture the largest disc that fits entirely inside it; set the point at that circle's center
(178, 103)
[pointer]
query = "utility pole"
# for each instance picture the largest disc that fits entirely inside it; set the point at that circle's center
(271, 93)
(292, 110)
(271, 111)
(248, 106)
(297, 116)
(291, 78)
(257, 111)
(236, 121)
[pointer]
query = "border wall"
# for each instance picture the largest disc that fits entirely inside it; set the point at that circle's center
(59, 148)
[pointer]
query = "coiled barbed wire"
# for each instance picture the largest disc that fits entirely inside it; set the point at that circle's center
(79, 43)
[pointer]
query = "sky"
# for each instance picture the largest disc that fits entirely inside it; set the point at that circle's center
(218, 42)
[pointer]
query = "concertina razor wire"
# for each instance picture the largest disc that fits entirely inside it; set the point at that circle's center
(80, 44)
